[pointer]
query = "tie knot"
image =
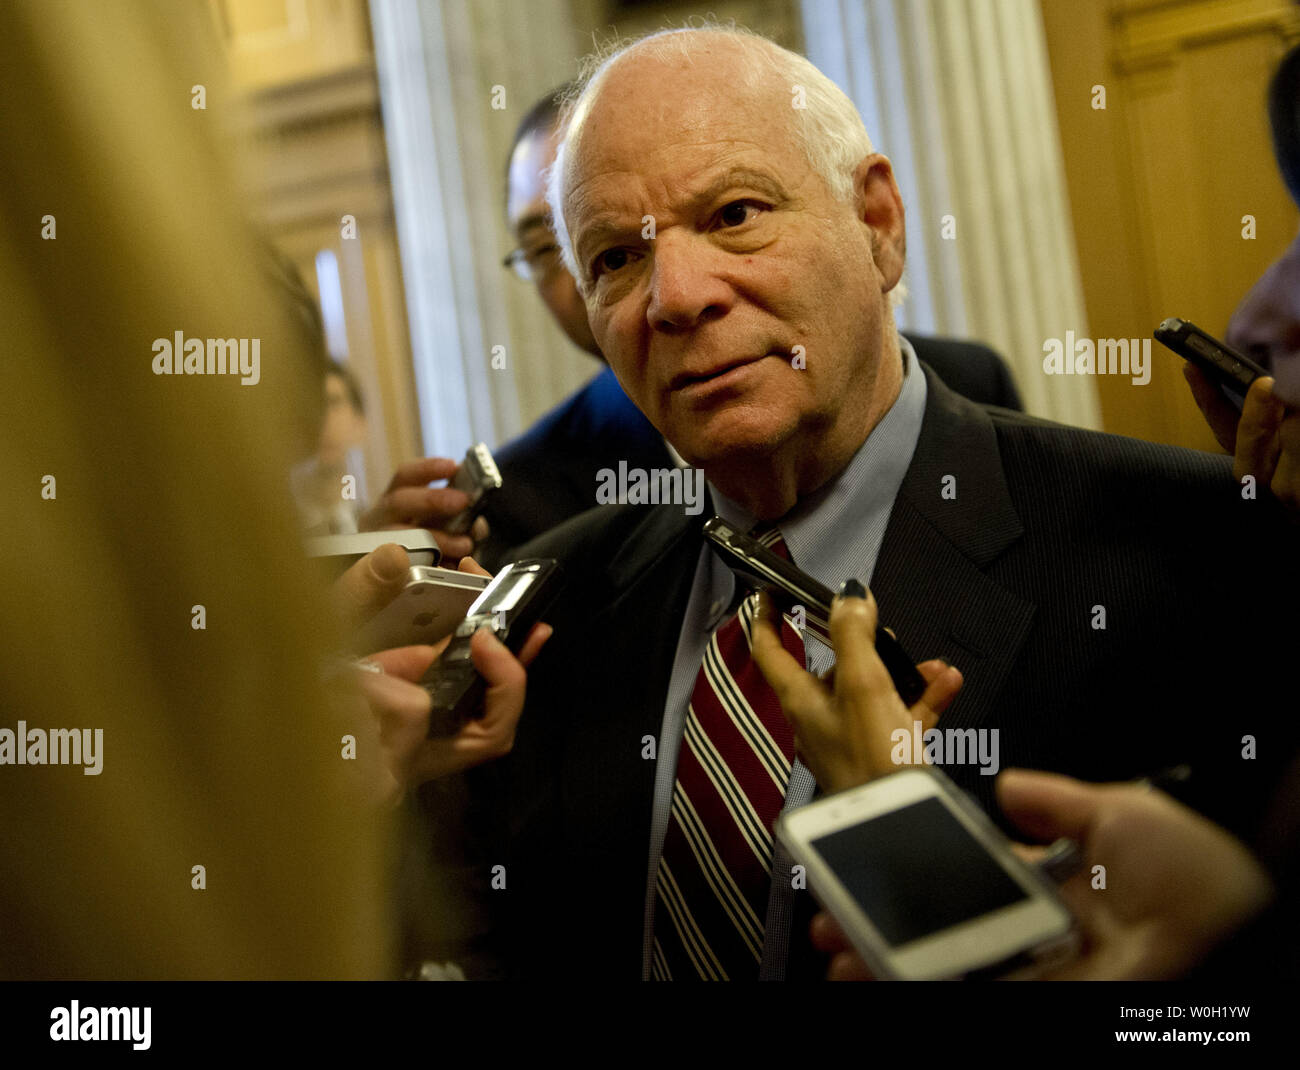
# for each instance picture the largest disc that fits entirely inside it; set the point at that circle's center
(772, 538)
(811, 619)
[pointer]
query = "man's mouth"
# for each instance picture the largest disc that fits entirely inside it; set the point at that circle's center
(685, 380)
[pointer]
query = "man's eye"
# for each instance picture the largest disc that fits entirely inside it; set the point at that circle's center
(737, 213)
(610, 260)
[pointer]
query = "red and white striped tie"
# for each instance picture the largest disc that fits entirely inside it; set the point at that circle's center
(732, 773)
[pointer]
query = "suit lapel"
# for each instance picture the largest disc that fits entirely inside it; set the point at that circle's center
(929, 578)
(635, 633)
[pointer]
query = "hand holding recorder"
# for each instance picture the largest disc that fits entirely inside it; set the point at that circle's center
(1238, 400)
(843, 725)
(451, 513)
(397, 708)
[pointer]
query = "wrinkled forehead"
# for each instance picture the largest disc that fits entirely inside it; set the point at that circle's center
(649, 115)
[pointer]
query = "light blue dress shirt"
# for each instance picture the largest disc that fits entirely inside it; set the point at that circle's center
(833, 535)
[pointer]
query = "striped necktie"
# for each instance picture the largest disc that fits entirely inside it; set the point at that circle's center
(714, 875)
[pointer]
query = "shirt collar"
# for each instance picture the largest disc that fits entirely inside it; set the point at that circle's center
(859, 498)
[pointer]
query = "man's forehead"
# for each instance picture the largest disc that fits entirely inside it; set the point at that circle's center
(624, 154)
(676, 180)
(653, 100)
(528, 162)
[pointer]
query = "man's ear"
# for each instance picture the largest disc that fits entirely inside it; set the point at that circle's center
(880, 208)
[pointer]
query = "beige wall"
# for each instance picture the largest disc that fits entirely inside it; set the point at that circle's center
(777, 19)
(307, 70)
(1159, 181)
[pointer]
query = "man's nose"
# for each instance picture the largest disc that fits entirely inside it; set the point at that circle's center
(686, 289)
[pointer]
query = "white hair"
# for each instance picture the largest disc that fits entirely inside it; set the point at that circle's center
(828, 126)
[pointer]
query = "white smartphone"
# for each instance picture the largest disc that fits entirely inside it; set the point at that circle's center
(428, 608)
(924, 885)
(417, 542)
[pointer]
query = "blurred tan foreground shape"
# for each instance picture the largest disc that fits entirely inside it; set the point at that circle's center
(218, 748)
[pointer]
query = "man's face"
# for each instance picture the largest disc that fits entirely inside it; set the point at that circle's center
(526, 212)
(754, 267)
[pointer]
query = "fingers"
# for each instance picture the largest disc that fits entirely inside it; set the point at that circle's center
(846, 965)
(1029, 852)
(858, 668)
(1216, 409)
(793, 686)
(425, 470)
(453, 547)
(534, 643)
(943, 682)
(468, 564)
(408, 662)
(410, 502)
(1047, 805)
(500, 669)
(827, 935)
(482, 739)
(1257, 446)
(1286, 478)
(401, 709)
(371, 583)
(431, 505)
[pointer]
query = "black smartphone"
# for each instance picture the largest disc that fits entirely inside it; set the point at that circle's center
(790, 587)
(509, 606)
(479, 477)
(1232, 371)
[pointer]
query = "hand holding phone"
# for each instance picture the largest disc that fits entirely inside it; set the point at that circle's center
(924, 885)
(508, 607)
(848, 725)
(401, 708)
(790, 588)
(427, 608)
(341, 551)
(1233, 372)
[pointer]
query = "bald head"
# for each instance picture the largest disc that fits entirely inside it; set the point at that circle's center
(710, 68)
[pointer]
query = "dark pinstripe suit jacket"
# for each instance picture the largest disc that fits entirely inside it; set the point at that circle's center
(1048, 523)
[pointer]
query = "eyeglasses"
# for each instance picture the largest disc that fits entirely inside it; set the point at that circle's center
(534, 265)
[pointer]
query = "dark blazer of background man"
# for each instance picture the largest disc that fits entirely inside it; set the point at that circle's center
(549, 472)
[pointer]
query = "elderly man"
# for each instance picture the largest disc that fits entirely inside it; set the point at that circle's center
(552, 469)
(737, 255)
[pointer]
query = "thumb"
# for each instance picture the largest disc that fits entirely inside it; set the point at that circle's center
(370, 584)
(1047, 805)
(1218, 412)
